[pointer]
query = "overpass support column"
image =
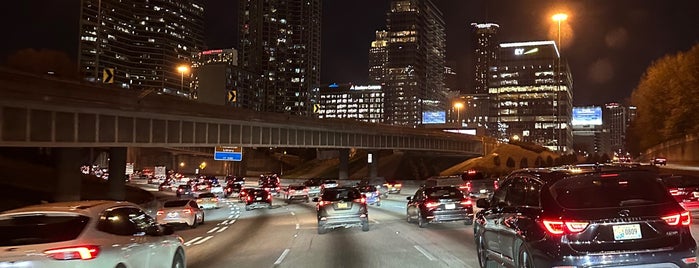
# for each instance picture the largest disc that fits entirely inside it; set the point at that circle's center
(344, 164)
(117, 171)
(373, 162)
(69, 176)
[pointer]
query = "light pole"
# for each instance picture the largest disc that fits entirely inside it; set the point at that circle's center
(182, 69)
(559, 17)
(458, 106)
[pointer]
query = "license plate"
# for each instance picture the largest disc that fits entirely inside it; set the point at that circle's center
(696, 194)
(172, 215)
(341, 205)
(259, 198)
(625, 232)
(450, 206)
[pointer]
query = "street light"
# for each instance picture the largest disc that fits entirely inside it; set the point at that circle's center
(559, 17)
(458, 106)
(182, 69)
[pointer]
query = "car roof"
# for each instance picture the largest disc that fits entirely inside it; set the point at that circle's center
(556, 173)
(90, 208)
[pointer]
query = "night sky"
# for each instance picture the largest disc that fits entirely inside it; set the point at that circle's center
(609, 44)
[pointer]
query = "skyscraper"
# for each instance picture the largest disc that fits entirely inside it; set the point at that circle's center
(142, 41)
(414, 74)
(378, 57)
(485, 51)
(280, 41)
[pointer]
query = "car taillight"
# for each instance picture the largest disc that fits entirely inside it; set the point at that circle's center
(360, 200)
(675, 192)
(215, 199)
(74, 253)
(559, 227)
(466, 202)
(160, 212)
(180, 190)
(249, 197)
(187, 210)
(683, 218)
(431, 204)
(496, 185)
(323, 203)
(269, 196)
(292, 191)
(397, 185)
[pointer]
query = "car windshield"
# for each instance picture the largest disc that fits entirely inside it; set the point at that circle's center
(337, 194)
(40, 229)
(366, 189)
(175, 203)
(312, 183)
(297, 187)
(443, 192)
(259, 192)
(610, 190)
(330, 182)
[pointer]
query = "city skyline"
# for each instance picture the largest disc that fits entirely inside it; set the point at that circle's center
(614, 41)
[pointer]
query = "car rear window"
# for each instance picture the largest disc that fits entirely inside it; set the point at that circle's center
(40, 229)
(610, 190)
(366, 189)
(207, 195)
(297, 187)
(175, 203)
(443, 192)
(337, 194)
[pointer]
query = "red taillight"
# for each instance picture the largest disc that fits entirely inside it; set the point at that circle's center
(683, 218)
(496, 185)
(431, 204)
(397, 185)
(160, 212)
(292, 191)
(466, 202)
(360, 200)
(559, 227)
(187, 210)
(675, 192)
(690, 260)
(249, 197)
(74, 253)
(269, 196)
(323, 203)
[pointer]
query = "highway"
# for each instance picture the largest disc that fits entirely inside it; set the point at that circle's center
(286, 236)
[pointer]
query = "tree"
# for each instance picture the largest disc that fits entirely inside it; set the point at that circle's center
(666, 98)
(43, 61)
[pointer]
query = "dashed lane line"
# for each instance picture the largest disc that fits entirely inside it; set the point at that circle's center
(281, 257)
(424, 252)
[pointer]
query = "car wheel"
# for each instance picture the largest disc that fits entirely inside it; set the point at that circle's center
(194, 223)
(378, 204)
(269, 206)
(247, 208)
(365, 226)
(525, 259)
(421, 222)
(202, 220)
(178, 261)
(468, 221)
(321, 229)
(482, 254)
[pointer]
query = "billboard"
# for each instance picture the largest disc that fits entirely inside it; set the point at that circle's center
(434, 117)
(587, 116)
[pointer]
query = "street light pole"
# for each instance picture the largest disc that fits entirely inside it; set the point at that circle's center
(557, 117)
(182, 69)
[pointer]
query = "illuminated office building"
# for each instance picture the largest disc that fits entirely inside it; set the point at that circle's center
(413, 82)
(280, 42)
(217, 79)
(361, 103)
(528, 98)
(378, 57)
(485, 51)
(589, 132)
(617, 118)
(142, 41)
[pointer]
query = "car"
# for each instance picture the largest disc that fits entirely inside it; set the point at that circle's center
(341, 207)
(184, 190)
(202, 187)
(685, 190)
(232, 189)
(84, 234)
(393, 186)
(180, 212)
(208, 201)
(313, 186)
(258, 198)
(167, 185)
(582, 217)
(329, 184)
(478, 185)
(438, 204)
(372, 194)
(658, 161)
(235, 180)
(216, 189)
(244, 193)
(273, 188)
(295, 193)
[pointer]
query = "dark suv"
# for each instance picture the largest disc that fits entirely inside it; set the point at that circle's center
(439, 204)
(583, 217)
(341, 207)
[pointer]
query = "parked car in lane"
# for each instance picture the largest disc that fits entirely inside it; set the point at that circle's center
(258, 198)
(580, 217)
(372, 194)
(180, 211)
(439, 204)
(83, 234)
(295, 193)
(341, 207)
(208, 201)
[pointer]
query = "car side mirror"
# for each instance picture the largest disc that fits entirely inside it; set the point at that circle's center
(482, 203)
(409, 198)
(315, 199)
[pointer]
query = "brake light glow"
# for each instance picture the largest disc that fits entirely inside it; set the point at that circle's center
(466, 202)
(160, 212)
(323, 203)
(360, 200)
(683, 218)
(560, 227)
(431, 204)
(690, 260)
(397, 185)
(187, 210)
(74, 253)
(609, 175)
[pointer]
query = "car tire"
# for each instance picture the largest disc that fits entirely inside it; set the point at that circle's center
(269, 206)
(525, 259)
(194, 223)
(247, 208)
(483, 260)
(322, 230)
(468, 221)
(421, 222)
(178, 261)
(365, 226)
(202, 220)
(378, 204)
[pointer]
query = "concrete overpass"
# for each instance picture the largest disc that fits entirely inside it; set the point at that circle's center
(44, 111)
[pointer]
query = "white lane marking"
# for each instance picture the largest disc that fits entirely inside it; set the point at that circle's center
(233, 212)
(298, 226)
(395, 206)
(223, 222)
(212, 230)
(189, 243)
(424, 252)
(375, 221)
(230, 216)
(293, 214)
(203, 240)
(281, 258)
(222, 229)
(232, 222)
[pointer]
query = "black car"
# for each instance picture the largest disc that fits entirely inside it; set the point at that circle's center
(439, 204)
(232, 189)
(184, 190)
(258, 198)
(341, 207)
(579, 217)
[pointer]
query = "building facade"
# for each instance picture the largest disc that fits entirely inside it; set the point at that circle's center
(218, 79)
(280, 42)
(362, 103)
(590, 135)
(378, 57)
(617, 118)
(142, 42)
(485, 52)
(528, 98)
(414, 72)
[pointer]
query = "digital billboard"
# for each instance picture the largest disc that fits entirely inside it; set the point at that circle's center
(434, 117)
(587, 116)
